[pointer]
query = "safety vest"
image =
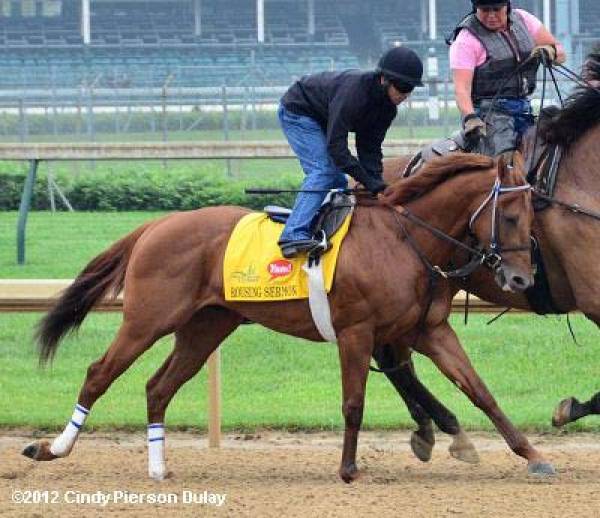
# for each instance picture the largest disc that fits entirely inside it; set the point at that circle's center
(505, 51)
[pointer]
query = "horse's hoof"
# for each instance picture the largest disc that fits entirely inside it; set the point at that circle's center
(420, 447)
(541, 469)
(462, 449)
(562, 413)
(158, 475)
(30, 450)
(39, 450)
(349, 473)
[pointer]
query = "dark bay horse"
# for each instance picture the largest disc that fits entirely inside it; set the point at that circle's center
(171, 270)
(570, 246)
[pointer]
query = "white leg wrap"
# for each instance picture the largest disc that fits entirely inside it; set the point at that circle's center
(63, 444)
(157, 467)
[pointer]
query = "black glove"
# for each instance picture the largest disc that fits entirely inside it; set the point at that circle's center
(474, 127)
(375, 184)
(548, 53)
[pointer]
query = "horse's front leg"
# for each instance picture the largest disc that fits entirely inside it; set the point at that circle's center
(571, 409)
(355, 347)
(441, 344)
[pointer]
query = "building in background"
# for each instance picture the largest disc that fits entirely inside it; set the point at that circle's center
(135, 43)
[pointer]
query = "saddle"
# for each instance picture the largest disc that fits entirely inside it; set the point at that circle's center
(330, 217)
(443, 147)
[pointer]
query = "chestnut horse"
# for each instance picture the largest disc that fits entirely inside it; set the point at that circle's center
(570, 244)
(172, 273)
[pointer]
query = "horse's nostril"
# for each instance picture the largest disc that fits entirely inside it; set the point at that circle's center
(519, 281)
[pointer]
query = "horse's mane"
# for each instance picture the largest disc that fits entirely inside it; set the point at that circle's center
(581, 111)
(432, 174)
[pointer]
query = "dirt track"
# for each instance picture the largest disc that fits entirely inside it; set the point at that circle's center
(282, 474)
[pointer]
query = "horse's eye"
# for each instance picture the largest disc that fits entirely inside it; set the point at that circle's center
(511, 220)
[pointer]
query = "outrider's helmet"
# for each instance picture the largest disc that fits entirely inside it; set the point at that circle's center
(489, 3)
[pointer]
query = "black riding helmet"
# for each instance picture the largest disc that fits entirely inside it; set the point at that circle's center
(401, 67)
(489, 3)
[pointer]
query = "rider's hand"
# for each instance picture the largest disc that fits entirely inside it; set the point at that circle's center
(374, 184)
(474, 127)
(546, 52)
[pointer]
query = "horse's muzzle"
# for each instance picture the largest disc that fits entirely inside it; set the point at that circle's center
(511, 279)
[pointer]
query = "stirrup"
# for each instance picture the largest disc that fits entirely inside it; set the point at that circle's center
(323, 245)
(295, 248)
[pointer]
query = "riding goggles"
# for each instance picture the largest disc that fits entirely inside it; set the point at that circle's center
(402, 86)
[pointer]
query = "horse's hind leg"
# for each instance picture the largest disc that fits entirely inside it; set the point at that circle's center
(128, 345)
(423, 439)
(423, 407)
(194, 342)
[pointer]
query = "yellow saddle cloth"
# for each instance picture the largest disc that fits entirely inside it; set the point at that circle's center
(254, 269)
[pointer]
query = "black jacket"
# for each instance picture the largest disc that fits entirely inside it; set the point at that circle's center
(344, 102)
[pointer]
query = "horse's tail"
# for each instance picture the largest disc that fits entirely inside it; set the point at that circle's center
(103, 274)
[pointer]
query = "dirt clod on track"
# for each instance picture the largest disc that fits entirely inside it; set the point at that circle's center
(280, 474)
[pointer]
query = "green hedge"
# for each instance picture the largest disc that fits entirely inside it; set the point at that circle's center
(144, 190)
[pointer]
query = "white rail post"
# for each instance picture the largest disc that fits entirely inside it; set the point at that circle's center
(86, 27)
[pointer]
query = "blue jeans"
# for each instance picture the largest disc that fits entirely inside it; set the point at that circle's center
(308, 141)
(521, 112)
(508, 122)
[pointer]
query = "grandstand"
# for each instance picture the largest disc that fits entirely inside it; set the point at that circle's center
(142, 43)
(213, 43)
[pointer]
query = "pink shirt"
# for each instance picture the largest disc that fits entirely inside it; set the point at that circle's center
(467, 52)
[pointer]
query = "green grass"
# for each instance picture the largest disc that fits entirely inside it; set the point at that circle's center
(274, 381)
(59, 245)
(269, 380)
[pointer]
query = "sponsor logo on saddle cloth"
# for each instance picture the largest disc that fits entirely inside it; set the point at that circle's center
(254, 269)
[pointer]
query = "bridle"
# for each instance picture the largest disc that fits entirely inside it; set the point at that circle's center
(494, 257)
(490, 257)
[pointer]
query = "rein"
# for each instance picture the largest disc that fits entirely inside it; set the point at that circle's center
(503, 84)
(574, 76)
(480, 256)
(582, 82)
(492, 259)
(572, 207)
